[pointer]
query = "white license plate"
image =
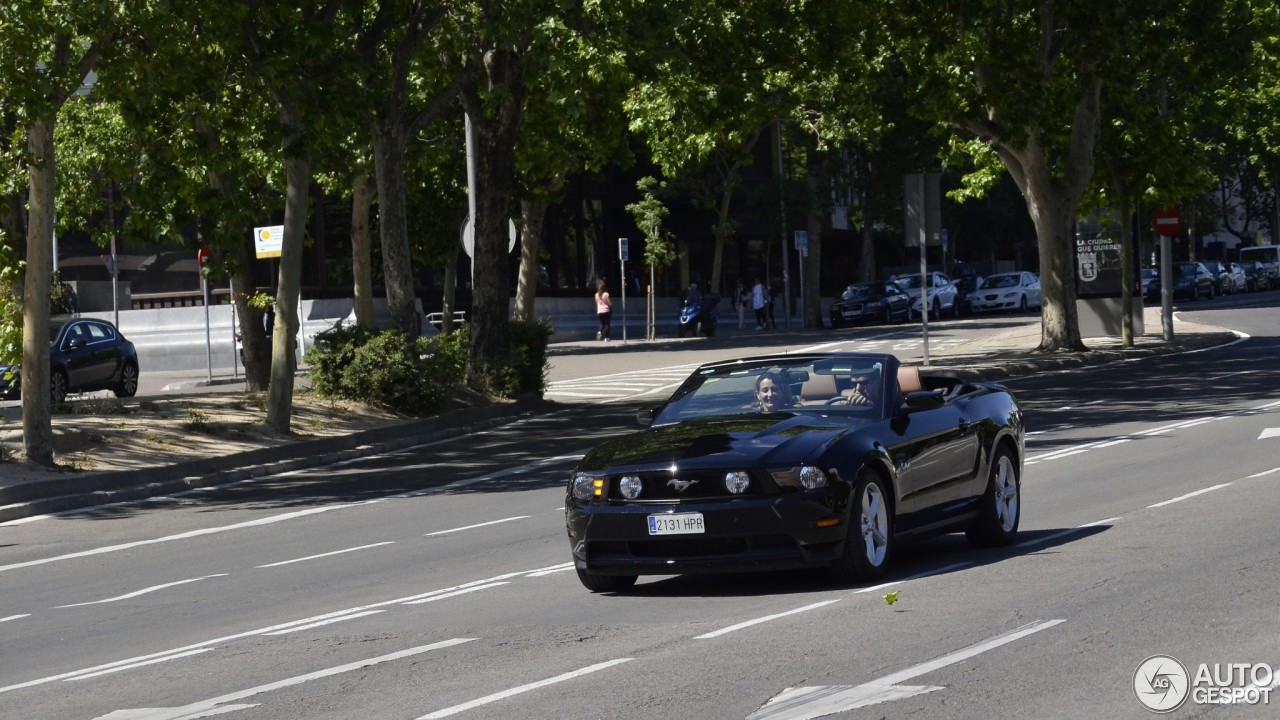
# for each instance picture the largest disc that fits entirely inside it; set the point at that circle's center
(676, 524)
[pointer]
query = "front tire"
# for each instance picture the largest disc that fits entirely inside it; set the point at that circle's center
(1001, 508)
(870, 542)
(606, 583)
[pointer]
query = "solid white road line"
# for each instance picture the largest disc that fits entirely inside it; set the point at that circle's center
(477, 525)
(766, 618)
(330, 621)
(1065, 533)
(455, 593)
(14, 617)
(1180, 498)
(328, 554)
(522, 689)
(909, 578)
(210, 707)
(181, 651)
(143, 591)
(144, 663)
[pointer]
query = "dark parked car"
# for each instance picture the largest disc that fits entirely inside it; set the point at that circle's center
(870, 302)
(797, 461)
(1229, 282)
(1191, 281)
(84, 355)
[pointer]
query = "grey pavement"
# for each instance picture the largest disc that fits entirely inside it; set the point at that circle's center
(1000, 355)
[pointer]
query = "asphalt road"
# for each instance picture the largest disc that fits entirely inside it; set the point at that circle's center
(436, 582)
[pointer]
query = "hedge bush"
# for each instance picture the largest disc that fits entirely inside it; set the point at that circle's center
(389, 369)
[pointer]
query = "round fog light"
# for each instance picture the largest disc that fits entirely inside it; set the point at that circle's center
(630, 486)
(737, 482)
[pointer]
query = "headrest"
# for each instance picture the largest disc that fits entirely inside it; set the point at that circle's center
(818, 387)
(909, 379)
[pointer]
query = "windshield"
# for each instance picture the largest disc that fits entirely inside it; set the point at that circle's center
(908, 282)
(1002, 281)
(1188, 270)
(840, 384)
(857, 292)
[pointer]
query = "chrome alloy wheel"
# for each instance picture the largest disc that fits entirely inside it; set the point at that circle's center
(1006, 493)
(874, 525)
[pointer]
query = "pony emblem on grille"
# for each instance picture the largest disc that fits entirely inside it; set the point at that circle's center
(681, 485)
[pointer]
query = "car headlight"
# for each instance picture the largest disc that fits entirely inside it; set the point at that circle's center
(737, 482)
(807, 477)
(584, 486)
(630, 486)
(1009, 294)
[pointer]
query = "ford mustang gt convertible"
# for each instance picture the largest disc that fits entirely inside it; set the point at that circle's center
(797, 461)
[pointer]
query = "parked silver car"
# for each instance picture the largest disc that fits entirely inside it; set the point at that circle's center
(942, 294)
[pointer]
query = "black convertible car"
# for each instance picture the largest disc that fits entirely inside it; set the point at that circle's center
(796, 461)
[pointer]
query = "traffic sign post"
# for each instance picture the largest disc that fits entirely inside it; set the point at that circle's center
(802, 247)
(1166, 223)
(624, 254)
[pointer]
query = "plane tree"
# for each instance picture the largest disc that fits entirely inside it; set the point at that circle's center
(1025, 82)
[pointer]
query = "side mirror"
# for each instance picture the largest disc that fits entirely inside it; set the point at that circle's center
(75, 343)
(644, 416)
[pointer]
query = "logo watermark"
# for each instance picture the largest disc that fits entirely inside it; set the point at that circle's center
(1163, 684)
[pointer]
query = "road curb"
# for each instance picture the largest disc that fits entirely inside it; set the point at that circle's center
(76, 490)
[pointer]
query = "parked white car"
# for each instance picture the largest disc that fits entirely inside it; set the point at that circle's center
(943, 296)
(1010, 291)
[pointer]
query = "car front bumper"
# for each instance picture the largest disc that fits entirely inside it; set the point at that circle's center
(768, 533)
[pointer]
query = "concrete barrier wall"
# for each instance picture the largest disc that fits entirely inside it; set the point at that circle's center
(175, 339)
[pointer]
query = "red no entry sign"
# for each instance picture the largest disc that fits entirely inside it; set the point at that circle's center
(1167, 222)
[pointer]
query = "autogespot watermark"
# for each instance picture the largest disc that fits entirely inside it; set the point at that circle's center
(1163, 684)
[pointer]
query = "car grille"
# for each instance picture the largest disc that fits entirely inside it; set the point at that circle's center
(663, 487)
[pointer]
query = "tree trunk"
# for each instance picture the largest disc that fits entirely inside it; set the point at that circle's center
(393, 225)
(532, 214)
(1126, 250)
(1060, 322)
(253, 334)
(819, 186)
(866, 271)
(37, 425)
(496, 125)
(362, 189)
(723, 231)
(288, 283)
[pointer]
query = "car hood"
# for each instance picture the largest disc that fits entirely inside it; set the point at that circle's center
(773, 439)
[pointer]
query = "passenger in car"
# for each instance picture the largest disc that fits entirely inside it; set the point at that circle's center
(773, 393)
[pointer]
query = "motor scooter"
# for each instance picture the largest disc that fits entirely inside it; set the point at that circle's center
(699, 315)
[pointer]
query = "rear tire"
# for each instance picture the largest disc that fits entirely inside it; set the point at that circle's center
(1001, 508)
(606, 583)
(58, 385)
(869, 545)
(1022, 305)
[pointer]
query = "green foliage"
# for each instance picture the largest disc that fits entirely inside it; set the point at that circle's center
(261, 301)
(524, 367)
(387, 369)
(62, 297)
(659, 251)
(10, 308)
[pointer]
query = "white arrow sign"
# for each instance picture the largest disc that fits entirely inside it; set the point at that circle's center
(804, 703)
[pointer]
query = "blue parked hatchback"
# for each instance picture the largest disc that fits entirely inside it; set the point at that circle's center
(84, 355)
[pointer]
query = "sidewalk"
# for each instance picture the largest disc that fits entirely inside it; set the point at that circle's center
(196, 435)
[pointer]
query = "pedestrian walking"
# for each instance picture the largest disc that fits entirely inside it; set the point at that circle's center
(759, 298)
(740, 300)
(604, 311)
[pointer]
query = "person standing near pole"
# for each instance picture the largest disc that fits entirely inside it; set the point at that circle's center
(604, 311)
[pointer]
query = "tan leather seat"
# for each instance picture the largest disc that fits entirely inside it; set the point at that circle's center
(909, 379)
(818, 389)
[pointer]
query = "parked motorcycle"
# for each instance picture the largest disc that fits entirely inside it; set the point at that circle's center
(699, 316)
